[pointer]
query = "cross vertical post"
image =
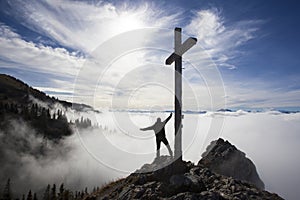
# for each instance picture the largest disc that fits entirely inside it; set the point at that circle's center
(178, 95)
(180, 48)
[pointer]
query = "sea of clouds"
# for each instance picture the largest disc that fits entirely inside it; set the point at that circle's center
(93, 157)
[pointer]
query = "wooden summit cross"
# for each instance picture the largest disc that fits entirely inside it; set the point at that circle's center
(180, 49)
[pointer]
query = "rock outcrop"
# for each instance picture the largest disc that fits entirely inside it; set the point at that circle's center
(169, 179)
(224, 158)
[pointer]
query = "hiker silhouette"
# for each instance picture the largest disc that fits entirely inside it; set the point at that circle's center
(159, 129)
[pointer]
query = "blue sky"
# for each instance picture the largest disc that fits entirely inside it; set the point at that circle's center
(253, 44)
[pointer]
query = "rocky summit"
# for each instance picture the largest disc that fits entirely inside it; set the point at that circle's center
(165, 178)
(224, 158)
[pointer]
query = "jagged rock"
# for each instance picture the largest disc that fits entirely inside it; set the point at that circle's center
(186, 182)
(165, 179)
(224, 158)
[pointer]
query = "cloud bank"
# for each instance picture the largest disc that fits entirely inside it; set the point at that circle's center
(94, 157)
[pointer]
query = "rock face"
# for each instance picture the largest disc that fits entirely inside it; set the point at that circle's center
(223, 158)
(168, 179)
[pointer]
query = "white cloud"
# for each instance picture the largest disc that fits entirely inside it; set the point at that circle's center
(36, 57)
(221, 39)
(84, 26)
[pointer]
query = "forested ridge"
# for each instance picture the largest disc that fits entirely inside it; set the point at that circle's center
(42, 120)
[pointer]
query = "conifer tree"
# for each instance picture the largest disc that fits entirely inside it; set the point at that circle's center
(7, 195)
(29, 196)
(53, 192)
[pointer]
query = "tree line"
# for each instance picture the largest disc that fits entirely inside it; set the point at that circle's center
(50, 193)
(51, 126)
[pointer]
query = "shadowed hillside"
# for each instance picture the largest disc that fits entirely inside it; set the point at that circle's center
(20, 102)
(15, 91)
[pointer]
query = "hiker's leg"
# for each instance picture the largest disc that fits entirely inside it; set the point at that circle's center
(158, 147)
(170, 150)
(165, 141)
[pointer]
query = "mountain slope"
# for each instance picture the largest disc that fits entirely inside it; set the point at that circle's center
(21, 103)
(15, 91)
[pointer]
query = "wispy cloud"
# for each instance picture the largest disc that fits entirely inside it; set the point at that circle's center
(221, 40)
(80, 26)
(83, 25)
(19, 53)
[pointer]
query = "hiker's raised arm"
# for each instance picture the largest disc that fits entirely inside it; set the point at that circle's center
(168, 118)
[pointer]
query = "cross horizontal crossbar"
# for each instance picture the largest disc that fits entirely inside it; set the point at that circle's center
(181, 50)
(171, 59)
